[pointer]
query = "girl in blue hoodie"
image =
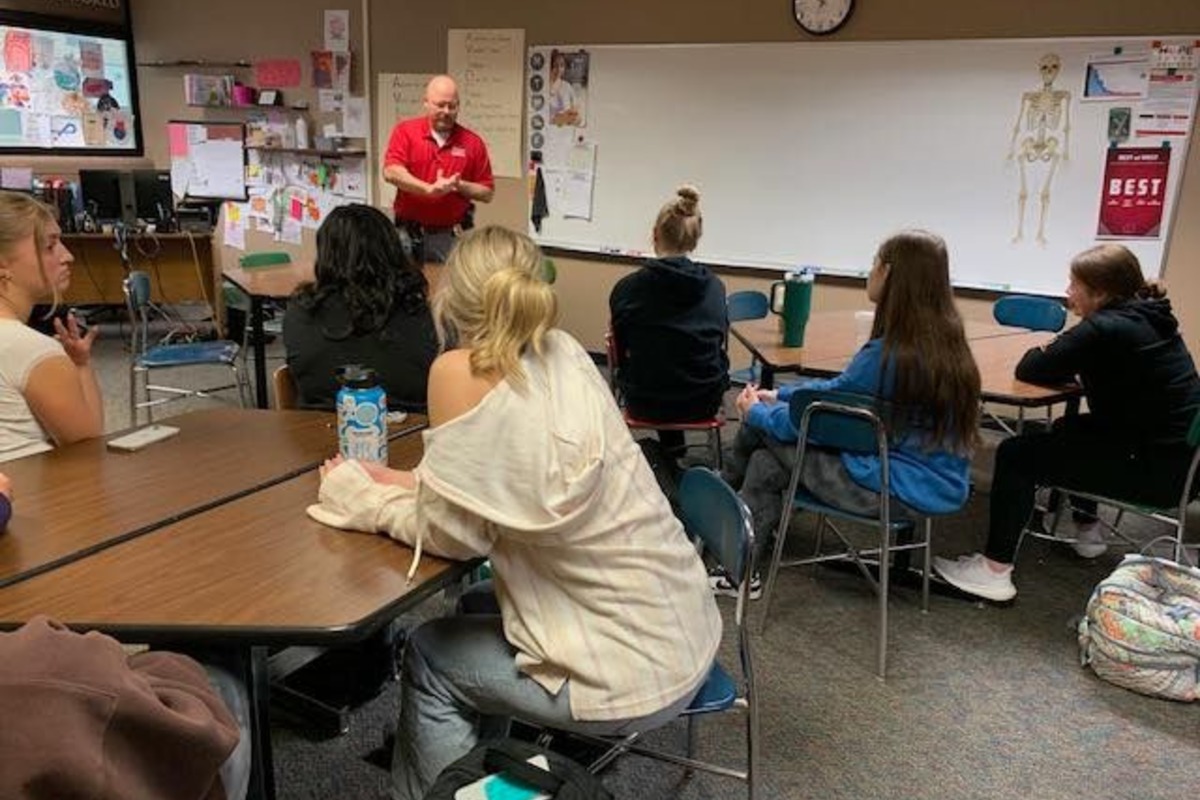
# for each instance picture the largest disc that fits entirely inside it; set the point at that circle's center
(919, 360)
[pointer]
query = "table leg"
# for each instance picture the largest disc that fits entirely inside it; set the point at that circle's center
(262, 771)
(260, 351)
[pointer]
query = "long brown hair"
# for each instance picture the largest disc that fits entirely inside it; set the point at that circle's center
(924, 346)
(1114, 272)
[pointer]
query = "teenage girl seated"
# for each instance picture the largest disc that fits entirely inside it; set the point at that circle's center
(1142, 392)
(367, 306)
(918, 359)
(49, 393)
(670, 323)
(606, 624)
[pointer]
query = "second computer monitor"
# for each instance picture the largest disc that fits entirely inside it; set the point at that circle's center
(155, 201)
(108, 195)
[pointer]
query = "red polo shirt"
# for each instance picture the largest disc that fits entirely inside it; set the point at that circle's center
(464, 154)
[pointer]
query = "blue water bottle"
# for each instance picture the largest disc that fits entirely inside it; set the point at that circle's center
(362, 415)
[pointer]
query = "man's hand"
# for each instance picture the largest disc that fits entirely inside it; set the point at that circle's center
(443, 184)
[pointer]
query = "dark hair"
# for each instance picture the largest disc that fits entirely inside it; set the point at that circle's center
(360, 259)
(1113, 271)
(936, 380)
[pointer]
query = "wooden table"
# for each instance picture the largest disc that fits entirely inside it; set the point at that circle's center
(238, 577)
(180, 267)
(830, 343)
(276, 282)
(76, 500)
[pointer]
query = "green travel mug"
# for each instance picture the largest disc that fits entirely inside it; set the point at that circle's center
(791, 298)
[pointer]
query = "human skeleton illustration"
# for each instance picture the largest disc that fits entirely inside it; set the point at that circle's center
(1044, 114)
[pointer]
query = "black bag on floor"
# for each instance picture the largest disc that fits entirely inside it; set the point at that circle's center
(564, 780)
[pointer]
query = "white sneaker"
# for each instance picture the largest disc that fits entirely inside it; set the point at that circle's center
(973, 575)
(1089, 540)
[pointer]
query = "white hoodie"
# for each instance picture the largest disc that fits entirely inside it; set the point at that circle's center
(596, 579)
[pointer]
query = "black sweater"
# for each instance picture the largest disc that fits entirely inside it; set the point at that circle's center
(400, 353)
(1140, 381)
(670, 324)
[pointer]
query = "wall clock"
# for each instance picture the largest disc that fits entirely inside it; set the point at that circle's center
(822, 17)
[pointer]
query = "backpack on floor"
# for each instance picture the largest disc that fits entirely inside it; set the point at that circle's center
(1142, 628)
(556, 776)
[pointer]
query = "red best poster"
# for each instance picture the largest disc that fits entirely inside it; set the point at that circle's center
(1134, 192)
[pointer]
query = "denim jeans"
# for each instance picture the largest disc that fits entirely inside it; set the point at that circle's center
(460, 685)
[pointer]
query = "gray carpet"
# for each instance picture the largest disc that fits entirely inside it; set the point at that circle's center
(981, 701)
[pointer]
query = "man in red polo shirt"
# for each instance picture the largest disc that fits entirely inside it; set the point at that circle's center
(440, 169)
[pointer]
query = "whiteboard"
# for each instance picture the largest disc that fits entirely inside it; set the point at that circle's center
(812, 153)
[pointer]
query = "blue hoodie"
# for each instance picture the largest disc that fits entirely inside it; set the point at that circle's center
(930, 481)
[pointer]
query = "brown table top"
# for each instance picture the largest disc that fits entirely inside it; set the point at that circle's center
(257, 569)
(274, 282)
(830, 343)
(84, 496)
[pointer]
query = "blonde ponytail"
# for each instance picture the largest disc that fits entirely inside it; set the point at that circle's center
(494, 300)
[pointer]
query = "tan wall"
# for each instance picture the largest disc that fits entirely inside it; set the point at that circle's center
(408, 36)
(399, 45)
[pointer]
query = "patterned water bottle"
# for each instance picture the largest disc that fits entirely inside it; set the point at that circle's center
(362, 415)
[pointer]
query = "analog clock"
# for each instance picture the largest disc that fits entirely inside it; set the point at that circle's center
(822, 17)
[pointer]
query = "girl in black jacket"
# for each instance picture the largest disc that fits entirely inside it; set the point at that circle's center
(1142, 391)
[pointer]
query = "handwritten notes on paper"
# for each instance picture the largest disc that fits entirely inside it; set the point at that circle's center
(489, 67)
(400, 95)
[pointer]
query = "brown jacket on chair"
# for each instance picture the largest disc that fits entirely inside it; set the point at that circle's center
(81, 719)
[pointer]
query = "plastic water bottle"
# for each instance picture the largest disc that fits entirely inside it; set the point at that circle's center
(362, 415)
(301, 133)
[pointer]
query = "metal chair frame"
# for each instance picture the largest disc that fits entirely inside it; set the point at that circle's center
(1035, 314)
(1175, 516)
(145, 358)
(748, 304)
(851, 422)
(714, 515)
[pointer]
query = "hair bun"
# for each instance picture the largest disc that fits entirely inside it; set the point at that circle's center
(1152, 290)
(688, 197)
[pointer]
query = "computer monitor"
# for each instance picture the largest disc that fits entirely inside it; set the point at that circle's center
(155, 202)
(108, 195)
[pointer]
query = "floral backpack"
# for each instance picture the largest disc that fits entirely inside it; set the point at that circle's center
(1142, 628)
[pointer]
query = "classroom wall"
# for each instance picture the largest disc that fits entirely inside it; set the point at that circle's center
(407, 36)
(410, 37)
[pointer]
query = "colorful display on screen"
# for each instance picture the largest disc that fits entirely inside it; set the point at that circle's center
(65, 91)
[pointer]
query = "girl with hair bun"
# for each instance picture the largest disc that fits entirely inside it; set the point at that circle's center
(601, 620)
(670, 325)
(1142, 391)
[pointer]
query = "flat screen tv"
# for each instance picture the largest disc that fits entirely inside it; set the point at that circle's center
(67, 87)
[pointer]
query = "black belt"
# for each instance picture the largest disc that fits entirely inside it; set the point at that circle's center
(411, 225)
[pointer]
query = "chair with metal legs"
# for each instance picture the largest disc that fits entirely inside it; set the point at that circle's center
(749, 304)
(146, 358)
(1174, 516)
(848, 423)
(714, 515)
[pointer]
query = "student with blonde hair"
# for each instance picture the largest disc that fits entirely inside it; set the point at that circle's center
(1142, 391)
(670, 325)
(605, 623)
(48, 390)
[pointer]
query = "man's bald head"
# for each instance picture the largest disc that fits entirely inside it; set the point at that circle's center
(441, 103)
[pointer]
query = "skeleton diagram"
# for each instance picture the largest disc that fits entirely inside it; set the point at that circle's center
(1043, 114)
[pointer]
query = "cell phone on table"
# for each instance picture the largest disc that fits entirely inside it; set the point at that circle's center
(503, 787)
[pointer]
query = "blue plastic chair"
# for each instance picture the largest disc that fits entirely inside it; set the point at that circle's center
(146, 358)
(739, 306)
(1027, 311)
(1031, 313)
(714, 515)
(853, 423)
